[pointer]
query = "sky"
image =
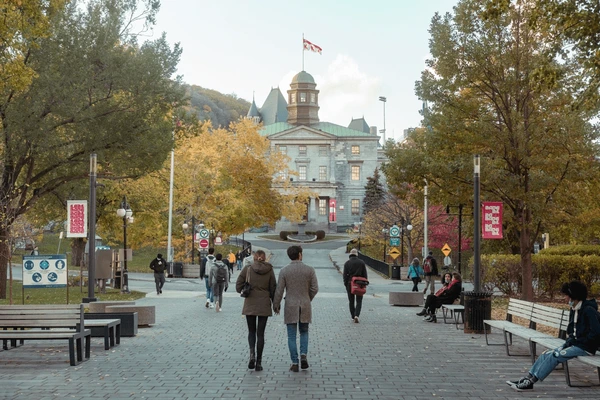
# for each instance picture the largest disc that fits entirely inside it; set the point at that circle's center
(370, 49)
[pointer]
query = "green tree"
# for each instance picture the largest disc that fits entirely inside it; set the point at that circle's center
(374, 192)
(493, 89)
(96, 90)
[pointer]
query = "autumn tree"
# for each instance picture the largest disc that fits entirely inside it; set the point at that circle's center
(93, 89)
(493, 89)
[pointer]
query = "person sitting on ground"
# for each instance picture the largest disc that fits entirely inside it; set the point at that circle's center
(446, 295)
(583, 337)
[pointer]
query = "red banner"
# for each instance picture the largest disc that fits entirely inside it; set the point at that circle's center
(332, 206)
(492, 220)
(77, 218)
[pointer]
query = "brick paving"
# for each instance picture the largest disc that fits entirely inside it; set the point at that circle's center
(195, 353)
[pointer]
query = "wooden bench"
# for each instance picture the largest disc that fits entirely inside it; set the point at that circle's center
(32, 322)
(109, 329)
(594, 361)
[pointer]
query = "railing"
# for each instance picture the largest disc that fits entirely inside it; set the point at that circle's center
(244, 244)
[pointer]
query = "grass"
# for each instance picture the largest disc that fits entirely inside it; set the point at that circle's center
(59, 295)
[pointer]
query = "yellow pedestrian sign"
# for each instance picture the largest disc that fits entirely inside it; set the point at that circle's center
(446, 250)
(394, 253)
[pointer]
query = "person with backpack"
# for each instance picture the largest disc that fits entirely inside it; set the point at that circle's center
(158, 265)
(415, 272)
(583, 337)
(219, 278)
(205, 268)
(431, 272)
(354, 267)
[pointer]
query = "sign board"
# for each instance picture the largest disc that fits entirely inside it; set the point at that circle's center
(447, 261)
(218, 241)
(203, 233)
(45, 271)
(446, 249)
(394, 253)
(77, 218)
(395, 241)
(492, 220)
(203, 243)
(394, 231)
(332, 207)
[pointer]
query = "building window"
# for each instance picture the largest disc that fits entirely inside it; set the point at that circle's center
(302, 150)
(283, 176)
(355, 176)
(302, 172)
(355, 150)
(283, 149)
(302, 97)
(323, 151)
(322, 206)
(322, 173)
(292, 98)
(313, 98)
(355, 206)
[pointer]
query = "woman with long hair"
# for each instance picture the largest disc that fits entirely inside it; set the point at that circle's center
(258, 305)
(415, 272)
(446, 295)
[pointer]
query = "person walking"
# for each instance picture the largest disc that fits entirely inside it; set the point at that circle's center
(354, 267)
(205, 267)
(299, 282)
(583, 337)
(158, 265)
(232, 261)
(431, 272)
(219, 279)
(415, 272)
(238, 260)
(258, 305)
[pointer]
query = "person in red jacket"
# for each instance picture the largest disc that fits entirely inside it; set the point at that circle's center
(354, 267)
(446, 295)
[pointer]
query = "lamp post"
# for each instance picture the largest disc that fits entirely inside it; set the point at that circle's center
(476, 223)
(126, 213)
(185, 226)
(359, 233)
(409, 228)
(384, 100)
(92, 231)
(385, 232)
(425, 209)
(460, 214)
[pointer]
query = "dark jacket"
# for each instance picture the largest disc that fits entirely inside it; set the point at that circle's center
(158, 265)
(354, 267)
(434, 268)
(448, 296)
(262, 279)
(587, 327)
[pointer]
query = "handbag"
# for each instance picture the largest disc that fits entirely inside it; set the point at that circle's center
(358, 285)
(247, 288)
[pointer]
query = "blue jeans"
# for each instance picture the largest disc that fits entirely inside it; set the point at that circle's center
(209, 291)
(549, 359)
(292, 345)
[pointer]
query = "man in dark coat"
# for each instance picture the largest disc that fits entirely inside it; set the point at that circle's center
(158, 265)
(354, 267)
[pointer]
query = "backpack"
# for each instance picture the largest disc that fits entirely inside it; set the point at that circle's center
(427, 266)
(221, 273)
(210, 262)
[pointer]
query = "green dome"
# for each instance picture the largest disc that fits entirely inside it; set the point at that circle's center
(303, 77)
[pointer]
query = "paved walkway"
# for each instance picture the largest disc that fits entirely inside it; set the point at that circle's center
(195, 353)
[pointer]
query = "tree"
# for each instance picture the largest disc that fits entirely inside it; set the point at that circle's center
(493, 89)
(95, 91)
(374, 192)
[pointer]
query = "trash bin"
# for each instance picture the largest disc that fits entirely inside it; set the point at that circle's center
(478, 306)
(395, 272)
(117, 280)
(175, 269)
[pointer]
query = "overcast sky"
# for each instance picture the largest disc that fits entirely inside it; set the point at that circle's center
(370, 49)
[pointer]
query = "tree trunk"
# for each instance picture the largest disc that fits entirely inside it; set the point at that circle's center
(4, 260)
(77, 251)
(527, 275)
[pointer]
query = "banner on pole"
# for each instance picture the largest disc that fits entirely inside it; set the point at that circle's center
(492, 220)
(332, 207)
(77, 218)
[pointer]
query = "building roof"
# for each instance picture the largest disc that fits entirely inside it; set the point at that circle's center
(303, 77)
(359, 124)
(253, 111)
(327, 127)
(274, 109)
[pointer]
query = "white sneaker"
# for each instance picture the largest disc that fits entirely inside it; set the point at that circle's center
(211, 305)
(217, 306)
(356, 320)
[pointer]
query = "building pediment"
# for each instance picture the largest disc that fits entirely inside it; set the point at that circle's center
(302, 133)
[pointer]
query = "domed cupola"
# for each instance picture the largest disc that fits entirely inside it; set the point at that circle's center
(303, 100)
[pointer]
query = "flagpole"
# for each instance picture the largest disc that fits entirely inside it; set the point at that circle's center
(302, 51)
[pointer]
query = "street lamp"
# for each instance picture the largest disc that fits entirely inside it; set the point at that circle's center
(126, 213)
(92, 230)
(384, 100)
(185, 226)
(409, 228)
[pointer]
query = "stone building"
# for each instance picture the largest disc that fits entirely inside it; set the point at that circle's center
(331, 160)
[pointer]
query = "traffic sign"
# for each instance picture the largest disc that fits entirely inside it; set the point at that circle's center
(395, 241)
(203, 233)
(446, 249)
(218, 241)
(204, 243)
(447, 261)
(394, 253)
(394, 231)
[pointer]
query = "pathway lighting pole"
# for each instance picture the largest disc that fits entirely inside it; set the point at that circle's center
(126, 213)
(185, 226)
(476, 223)
(92, 231)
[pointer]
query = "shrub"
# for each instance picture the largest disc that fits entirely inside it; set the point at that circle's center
(320, 235)
(283, 235)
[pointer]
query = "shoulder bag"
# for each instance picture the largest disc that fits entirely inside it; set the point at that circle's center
(247, 288)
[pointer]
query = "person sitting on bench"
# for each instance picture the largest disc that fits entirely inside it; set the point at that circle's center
(583, 337)
(446, 295)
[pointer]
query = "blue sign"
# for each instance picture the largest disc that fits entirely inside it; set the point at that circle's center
(52, 277)
(394, 241)
(28, 265)
(44, 264)
(60, 264)
(45, 271)
(394, 231)
(37, 277)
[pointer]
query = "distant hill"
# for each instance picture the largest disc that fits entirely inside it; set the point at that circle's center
(221, 109)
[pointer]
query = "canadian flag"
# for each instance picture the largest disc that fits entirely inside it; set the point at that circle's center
(311, 47)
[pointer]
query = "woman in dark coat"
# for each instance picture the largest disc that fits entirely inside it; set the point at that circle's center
(258, 305)
(446, 295)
